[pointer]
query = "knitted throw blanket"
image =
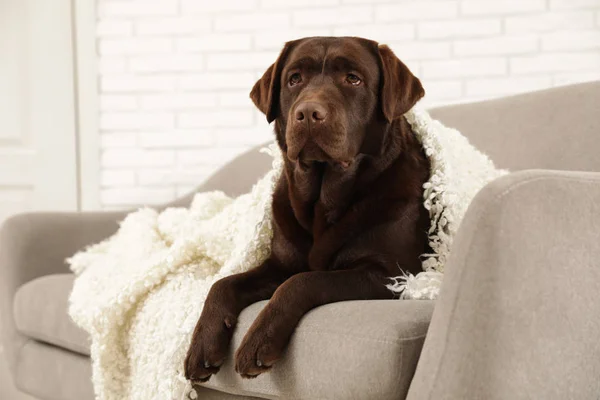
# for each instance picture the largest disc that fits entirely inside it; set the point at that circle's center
(140, 292)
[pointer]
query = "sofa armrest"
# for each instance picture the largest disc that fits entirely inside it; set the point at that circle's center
(37, 244)
(520, 284)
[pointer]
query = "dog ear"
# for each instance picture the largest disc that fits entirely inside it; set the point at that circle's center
(399, 88)
(265, 93)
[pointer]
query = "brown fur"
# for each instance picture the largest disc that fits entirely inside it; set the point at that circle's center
(347, 211)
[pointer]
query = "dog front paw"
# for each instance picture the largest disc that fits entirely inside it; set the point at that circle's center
(255, 356)
(208, 348)
(262, 347)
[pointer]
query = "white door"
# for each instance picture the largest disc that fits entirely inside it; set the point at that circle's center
(38, 158)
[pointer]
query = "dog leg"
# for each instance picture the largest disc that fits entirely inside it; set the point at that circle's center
(268, 336)
(225, 300)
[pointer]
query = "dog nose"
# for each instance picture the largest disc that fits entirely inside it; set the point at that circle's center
(312, 111)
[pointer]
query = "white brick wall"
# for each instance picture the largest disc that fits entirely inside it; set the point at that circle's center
(175, 74)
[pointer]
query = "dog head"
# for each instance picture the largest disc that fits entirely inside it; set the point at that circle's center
(331, 97)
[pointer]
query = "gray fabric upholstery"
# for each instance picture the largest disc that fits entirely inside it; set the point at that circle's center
(36, 244)
(348, 350)
(209, 394)
(52, 373)
(40, 311)
(48, 372)
(518, 316)
(551, 129)
(389, 335)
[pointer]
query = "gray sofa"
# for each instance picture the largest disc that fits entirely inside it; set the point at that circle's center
(523, 260)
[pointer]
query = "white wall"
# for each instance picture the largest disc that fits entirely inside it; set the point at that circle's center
(175, 74)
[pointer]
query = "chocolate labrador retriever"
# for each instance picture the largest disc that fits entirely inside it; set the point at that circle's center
(347, 210)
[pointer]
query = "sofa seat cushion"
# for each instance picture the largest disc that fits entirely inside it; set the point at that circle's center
(348, 350)
(48, 372)
(40, 311)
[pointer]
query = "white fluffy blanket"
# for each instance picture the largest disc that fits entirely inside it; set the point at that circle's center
(140, 292)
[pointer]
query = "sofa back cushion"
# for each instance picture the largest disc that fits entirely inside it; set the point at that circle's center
(557, 128)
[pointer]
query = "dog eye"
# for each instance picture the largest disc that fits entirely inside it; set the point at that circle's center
(295, 79)
(353, 79)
